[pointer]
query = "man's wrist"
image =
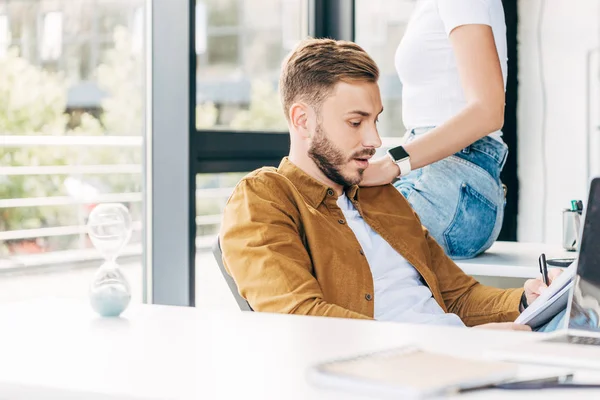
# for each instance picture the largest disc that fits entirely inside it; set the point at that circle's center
(392, 167)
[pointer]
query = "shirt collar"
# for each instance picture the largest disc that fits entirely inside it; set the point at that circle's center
(314, 191)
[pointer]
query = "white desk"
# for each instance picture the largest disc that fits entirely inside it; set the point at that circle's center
(512, 259)
(48, 348)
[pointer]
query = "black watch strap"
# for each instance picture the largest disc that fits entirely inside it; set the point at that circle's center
(524, 303)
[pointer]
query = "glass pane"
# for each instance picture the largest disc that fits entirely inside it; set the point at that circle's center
(77, 19)
(72, 128)
(113, 14)
(4, 34)
(223, 51)
(22, 22)
(78, 60)
(212, 192)
(240, 45)
(380, 25)
(223, 12)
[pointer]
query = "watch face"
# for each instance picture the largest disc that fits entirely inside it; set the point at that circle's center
(398, 153)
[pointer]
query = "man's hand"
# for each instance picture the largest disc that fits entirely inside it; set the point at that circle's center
(505, 326)
(380, 172)
(535, 287)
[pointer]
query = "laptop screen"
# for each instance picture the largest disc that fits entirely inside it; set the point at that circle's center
(588, 266)
(585, 296)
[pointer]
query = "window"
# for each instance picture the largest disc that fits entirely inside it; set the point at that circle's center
(72, 129)
(240, 45)
(4, 35)
(379, 27)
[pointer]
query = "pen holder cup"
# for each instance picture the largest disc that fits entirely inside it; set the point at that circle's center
(571, 224)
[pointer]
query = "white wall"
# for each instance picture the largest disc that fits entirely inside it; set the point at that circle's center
(570, 29)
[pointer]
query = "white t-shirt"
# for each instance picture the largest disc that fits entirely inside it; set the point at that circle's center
(425, 62)
(400, 294)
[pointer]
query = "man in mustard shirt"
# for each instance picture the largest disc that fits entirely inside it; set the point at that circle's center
(305, 239)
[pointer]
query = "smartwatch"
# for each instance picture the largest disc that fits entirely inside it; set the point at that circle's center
(401, 158)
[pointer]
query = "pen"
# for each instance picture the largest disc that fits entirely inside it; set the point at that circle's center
(541, 386)
(557, 382)
(552, 382)
(544, 269)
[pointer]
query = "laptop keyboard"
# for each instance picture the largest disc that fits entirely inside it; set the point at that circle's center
(571, 339)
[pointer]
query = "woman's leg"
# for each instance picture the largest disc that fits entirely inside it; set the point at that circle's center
(558, 322)
(460, 199)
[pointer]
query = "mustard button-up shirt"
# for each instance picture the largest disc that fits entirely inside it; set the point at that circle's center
(289, 249)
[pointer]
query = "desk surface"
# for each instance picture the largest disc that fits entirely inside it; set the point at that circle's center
(56, 348)
(512, 259)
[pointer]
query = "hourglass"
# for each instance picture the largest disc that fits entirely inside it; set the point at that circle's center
(109, 228)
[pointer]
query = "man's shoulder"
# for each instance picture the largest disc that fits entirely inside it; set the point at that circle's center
(263, 172)
(267, 183)
(266, 177)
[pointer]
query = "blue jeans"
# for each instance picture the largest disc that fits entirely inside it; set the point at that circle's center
(584, 319)
(460, 199)
(558, 322)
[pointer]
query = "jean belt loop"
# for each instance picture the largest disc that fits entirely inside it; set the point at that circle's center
(504, 158)
(466, 150)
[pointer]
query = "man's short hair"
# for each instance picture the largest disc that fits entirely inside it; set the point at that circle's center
(310, 72)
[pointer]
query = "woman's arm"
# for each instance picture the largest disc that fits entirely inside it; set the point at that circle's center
(483, 86)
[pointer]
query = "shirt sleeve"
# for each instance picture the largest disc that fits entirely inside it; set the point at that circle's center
(264, 253)
(455, 13)
(473, 302)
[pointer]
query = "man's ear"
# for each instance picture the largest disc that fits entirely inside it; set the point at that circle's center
(299, 119)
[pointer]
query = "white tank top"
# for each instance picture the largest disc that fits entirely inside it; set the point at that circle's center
(431, 87)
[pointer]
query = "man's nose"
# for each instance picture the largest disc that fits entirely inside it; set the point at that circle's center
(371, 138)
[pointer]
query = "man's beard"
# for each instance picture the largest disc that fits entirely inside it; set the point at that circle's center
(330, 159)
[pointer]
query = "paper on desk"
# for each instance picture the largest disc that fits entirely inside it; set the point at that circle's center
(556, 289)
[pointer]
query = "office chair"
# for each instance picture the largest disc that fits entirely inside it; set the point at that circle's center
(242, 303)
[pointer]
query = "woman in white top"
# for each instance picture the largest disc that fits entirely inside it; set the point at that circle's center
(452, 63)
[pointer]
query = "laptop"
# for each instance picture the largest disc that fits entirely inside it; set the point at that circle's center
(578, 343)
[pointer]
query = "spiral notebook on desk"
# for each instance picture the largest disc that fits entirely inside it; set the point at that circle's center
(551, 302)
(408, 372)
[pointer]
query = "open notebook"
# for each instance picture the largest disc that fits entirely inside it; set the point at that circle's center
(551, 302)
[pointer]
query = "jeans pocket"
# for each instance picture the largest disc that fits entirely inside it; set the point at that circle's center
(472, 225)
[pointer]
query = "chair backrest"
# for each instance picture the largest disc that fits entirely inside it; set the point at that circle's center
(242, 303)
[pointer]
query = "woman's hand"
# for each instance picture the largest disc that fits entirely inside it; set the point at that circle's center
(380, 172)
